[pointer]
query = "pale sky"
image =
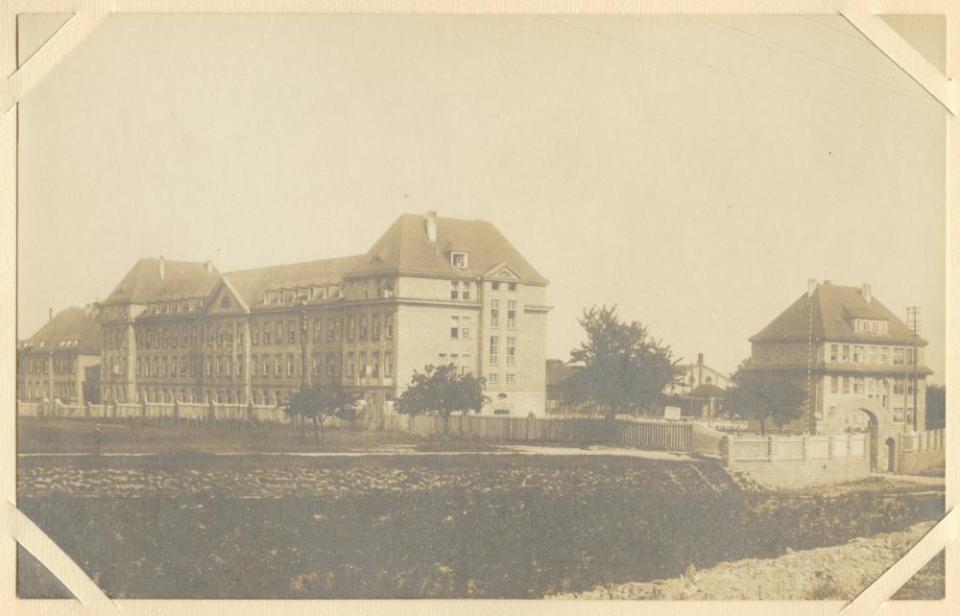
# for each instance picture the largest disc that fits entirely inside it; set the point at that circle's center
(696, 171)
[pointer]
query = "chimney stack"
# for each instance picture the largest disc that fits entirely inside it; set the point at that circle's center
(208, 265)
(163, 267)
(811, 286)
(866, 293)
(431, 225)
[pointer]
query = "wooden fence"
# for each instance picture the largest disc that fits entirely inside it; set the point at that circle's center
(667, 436)
(157, 412)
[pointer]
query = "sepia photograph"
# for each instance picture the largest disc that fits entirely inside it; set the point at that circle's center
(443, 306)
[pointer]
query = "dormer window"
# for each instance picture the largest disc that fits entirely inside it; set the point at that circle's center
(870, 326)
(458, 260)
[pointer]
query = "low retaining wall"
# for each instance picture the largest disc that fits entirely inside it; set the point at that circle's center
(921, 451)
(799, 461)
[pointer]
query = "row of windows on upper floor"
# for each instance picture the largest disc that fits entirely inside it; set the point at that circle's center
(871, 354)
(369, 364)
(37, 365)
(331, 329)
(869, 385)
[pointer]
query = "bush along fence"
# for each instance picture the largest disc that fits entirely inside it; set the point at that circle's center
(798, 461)
(666, 436)
(159, 412)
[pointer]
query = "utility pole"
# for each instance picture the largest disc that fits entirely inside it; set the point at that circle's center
(913, 319)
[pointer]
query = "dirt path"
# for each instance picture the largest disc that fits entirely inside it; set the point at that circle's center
(837, 572)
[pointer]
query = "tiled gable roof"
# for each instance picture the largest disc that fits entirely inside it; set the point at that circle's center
(404, 248)
(181, 279)
(71, 330)
(251, 284)
(834, 307)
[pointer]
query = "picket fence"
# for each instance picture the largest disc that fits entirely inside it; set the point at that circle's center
(667, 436)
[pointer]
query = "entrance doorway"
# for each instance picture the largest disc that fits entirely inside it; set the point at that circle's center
(891, 454)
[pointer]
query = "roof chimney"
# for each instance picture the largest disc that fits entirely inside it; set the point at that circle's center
(811, 286)
(163, 267)
(866, 293)
(431, 225)
(208, 265)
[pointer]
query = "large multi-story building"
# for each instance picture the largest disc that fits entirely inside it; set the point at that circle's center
(62, 360)
(857, 360)
(429, 291)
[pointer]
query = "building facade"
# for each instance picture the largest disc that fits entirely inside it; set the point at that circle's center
(859, 363)
(430, 291)
(61, 361)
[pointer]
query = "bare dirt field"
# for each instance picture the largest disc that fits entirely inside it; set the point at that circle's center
(517, 526)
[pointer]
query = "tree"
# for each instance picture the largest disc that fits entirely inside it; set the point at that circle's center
(442, 389)
(936, 407)
(623, 367)
(318, 403)
(765, 395)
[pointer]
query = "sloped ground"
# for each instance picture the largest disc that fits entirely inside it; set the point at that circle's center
(483, 526)
(830, 573)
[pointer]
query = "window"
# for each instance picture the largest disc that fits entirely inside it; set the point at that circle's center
(364, 369)
(331, 329)
(350, 325)
(317, 365)
(845, 352)
(254, 365)
(511, 351)
(228, 366)
(266, 333)
(290, 364)
(454, 327)
(494, 313)
(454, 289)
(349, 365)
(465, 328)
(331, 364)
(363, 328)
(291, 331)
(512, 286)
(265, 368)
(388, 326)
(458, 260)
(857, 353)
(466, 294)
(871, 354)
(492, 378)
(511, 314)
(495, 285)
(278, 364)
(375, 364)
(898, 356)
(494, 349)
(834, 385)
(858, 385)
(387, 363)
(845, 384)
(279, 332)
(511, 378)
(884, 357)
(834, 349)
(317, 329)
(376, 327)
(239, 364)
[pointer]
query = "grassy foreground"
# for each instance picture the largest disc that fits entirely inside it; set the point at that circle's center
(508, 526)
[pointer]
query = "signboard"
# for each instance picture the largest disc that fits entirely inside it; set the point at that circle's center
(671, 412)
